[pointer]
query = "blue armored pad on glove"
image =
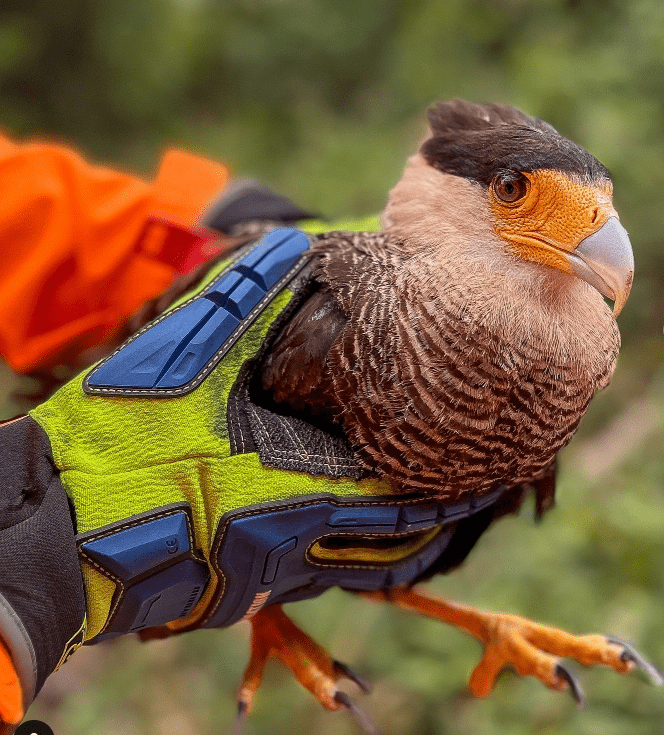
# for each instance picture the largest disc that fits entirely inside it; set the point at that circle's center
(274, 552)
(151, 558)
(284, 552)
(177, 351)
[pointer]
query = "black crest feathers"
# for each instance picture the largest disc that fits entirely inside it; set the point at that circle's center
(457, 115)
(477, 141)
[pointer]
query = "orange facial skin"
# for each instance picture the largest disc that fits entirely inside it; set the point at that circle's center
(552, 218)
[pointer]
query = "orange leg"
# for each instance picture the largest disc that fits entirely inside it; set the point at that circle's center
(11, 695)
(274, 634)
(531, 648)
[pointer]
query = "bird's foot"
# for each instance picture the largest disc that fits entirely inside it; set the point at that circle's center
(530, 648)
(274, 634)
(11, 695)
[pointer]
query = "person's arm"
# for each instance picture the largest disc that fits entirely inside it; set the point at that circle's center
(75, 259)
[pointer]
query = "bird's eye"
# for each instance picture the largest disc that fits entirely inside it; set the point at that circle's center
(509, 188)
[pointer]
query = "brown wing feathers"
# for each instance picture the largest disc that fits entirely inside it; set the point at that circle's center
(294, 371)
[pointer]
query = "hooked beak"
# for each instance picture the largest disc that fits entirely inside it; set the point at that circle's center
(605, 261)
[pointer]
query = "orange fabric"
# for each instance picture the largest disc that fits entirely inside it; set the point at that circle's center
(70, 273)
(11, 695)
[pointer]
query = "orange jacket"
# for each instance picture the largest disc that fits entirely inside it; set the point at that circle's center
(74, 261)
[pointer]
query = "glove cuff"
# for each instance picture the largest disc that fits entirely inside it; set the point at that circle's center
(42, 601)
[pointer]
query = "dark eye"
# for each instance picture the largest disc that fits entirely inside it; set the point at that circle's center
(511, 187)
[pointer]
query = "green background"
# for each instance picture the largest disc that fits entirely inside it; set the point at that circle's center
(324, 99)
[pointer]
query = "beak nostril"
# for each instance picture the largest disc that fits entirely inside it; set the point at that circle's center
(595, 215)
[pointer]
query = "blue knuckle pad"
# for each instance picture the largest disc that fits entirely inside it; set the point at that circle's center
(163, 597)
(257, 563)
(277, 262)
(219, 292)
(379, 517)
(201, 349)
(266, 245)
(140, 362)
(242, 299)
(153, 561)
(274, 557)
(418, 515)
(134, 551)
(173, 351)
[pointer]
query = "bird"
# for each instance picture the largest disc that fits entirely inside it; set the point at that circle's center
(457, 348)
(425, 376)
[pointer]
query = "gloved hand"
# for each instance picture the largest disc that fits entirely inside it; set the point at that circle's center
(151, 494)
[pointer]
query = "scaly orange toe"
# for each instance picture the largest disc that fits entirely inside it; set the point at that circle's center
(275, 634)
(531, 648)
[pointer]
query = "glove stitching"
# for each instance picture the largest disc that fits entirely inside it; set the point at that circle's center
(237, 424)
(267, 439)
(332, 460)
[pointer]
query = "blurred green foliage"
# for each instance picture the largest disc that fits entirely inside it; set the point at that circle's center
(324, 99)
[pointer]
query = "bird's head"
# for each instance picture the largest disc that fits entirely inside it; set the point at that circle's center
(546, 199)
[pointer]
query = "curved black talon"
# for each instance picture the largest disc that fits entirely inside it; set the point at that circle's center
(631, 654)
(361, 718)
(344, 670)
(575, 687)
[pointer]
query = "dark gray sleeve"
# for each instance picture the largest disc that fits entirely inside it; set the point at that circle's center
(251, 201)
